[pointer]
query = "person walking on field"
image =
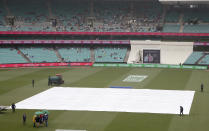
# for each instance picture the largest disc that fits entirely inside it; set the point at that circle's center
(34, 121)
(181, 111)
(13, 107)
(33, 82)
(202, 87)
(24, 118)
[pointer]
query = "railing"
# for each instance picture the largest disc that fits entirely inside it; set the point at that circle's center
(102, 33)
(64, 42)
(201, 43)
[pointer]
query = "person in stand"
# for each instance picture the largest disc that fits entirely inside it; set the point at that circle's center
(181, 111)
(13, 107)
(202, 87)
(24, 118)
(33, 82)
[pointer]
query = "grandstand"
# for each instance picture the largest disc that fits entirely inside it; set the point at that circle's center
(98, 16)
(63, 53)
(87, 20)
(155, 51)
(102, 20)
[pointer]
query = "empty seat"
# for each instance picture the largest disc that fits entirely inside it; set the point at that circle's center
(204, 60)
(40, 54)
(110, 54)
(194, 57)
(202, 28)
(171, 28)
(10, 55)
(75, 54)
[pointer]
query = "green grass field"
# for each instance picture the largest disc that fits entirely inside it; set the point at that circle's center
(15, 85)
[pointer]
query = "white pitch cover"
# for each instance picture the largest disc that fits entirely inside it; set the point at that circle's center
(112, 100)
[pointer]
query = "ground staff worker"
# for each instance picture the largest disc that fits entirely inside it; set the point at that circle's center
(24, 118)
(13, 107)
(201, 87)
(33, 82)
(181, 111)
(34, 121)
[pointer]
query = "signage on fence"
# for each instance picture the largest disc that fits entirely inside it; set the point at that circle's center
(152, 66)
(45, 64)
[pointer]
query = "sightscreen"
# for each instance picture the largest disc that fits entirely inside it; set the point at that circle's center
(151, 56)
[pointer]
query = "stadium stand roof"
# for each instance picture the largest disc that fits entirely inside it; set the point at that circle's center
(184, 1)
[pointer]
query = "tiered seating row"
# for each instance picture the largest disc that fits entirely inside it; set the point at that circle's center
(105, 16)
(204, 28)
(171, 28)
(172, 16)
(10, 55)
(75, 54)
(40, 54)
(68, 54)
(205, 60)
(194, 57)
(107, 54)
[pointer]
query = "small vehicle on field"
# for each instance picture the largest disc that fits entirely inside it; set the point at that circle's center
(55, 80)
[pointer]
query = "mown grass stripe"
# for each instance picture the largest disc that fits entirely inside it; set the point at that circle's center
(26, 79)
(101, 78)
(170, 79)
